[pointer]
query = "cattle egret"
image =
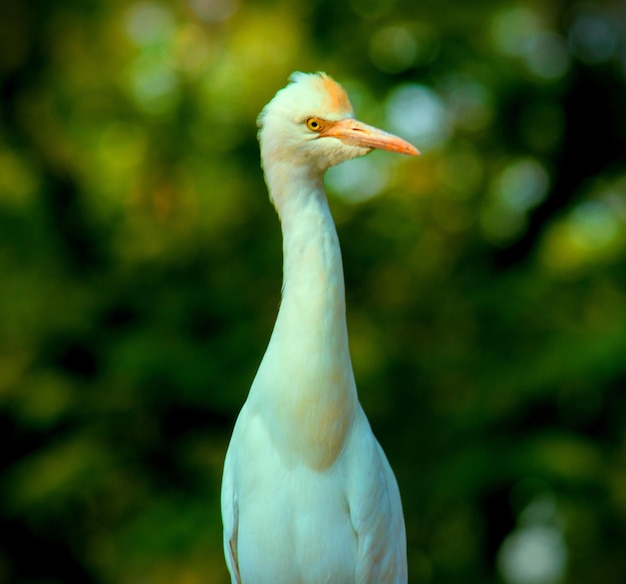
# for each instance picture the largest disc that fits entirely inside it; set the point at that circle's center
(308, 496)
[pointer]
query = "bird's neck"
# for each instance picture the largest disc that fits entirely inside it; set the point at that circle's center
(307, 370)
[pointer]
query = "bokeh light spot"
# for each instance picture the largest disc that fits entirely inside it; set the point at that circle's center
(511, 27)
(545, 55)
(519, 187)
(593, 39)
(418, 114)
(591, 232)
(593, 225)
(213, 10)
(533, 555)
(154, 85)
(360, 179)
(148, 23)
(523, 184)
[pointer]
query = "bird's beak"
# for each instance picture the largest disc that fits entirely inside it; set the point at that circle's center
(355, 133)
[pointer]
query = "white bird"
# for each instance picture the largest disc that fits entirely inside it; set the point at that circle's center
(308, 496)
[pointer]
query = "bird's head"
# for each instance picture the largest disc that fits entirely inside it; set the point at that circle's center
(310, 123)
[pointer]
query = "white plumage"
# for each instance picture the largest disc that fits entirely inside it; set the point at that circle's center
(308, 496)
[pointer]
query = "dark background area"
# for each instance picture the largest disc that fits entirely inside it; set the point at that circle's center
(140, 271)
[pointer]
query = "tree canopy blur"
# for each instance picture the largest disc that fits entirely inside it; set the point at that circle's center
(140, 269)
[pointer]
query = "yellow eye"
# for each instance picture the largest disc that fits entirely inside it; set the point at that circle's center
(314, 124)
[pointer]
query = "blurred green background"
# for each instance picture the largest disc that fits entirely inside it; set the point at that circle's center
(140, 272)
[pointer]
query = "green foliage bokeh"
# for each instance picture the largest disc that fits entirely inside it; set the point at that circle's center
(140, 269)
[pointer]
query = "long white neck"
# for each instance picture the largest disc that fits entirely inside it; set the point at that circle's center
(306, 375)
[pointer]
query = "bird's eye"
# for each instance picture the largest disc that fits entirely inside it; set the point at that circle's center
(314, 124)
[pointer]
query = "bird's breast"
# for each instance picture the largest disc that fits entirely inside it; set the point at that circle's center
(303, 508)
(308, 405)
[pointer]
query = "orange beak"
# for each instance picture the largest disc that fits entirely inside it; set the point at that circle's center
(356, 133)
